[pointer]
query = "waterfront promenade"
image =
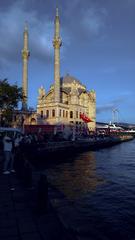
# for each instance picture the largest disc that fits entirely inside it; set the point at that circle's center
(19, 218)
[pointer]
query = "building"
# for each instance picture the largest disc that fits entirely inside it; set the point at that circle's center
(67, 102)
(67, 99)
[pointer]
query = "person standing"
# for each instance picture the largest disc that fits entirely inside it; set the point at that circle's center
(8, 156)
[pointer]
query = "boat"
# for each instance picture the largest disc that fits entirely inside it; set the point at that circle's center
(131, 131)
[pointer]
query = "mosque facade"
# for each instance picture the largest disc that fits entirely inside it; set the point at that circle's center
(75, 101)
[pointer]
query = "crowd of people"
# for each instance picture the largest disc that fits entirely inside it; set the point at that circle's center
(16, 160)
(22, 146)
(14, 149)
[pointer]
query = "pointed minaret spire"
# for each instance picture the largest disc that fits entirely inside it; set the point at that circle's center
(25, 56)
(57, 44)
(26, 27)
(57, 12)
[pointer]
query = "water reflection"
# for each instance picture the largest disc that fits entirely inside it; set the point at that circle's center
(98, 211)
(76, 178)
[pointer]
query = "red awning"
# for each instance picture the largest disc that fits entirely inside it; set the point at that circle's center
(85, 118)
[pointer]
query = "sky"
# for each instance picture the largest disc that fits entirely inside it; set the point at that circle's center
(98, 48)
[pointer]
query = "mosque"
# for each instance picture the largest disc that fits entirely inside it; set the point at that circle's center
(67, 102)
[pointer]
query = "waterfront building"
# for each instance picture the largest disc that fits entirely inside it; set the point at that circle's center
(67, 102)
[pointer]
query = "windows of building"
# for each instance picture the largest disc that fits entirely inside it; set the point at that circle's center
(41, 114)
(60, 112)
(71, 114)
(47, 113)
(76, 114)
(53, 113)
(66, 114)
(63, 113)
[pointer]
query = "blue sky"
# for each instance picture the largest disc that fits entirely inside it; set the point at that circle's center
(98, 48)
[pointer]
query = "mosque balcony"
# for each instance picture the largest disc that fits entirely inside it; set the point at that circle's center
(57, 42)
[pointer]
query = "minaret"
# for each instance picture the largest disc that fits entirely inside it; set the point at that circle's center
(25, 56)
(57, 44)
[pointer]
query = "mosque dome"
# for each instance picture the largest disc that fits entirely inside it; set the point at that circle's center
(69, 79)
(68, 82)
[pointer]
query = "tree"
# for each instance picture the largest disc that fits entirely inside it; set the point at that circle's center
(10, 95)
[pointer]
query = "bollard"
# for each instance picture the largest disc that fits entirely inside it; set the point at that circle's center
(42, 194)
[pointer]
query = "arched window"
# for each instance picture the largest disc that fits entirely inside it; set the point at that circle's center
(76, 114)
(63, 113)
(71, 114)
(47, 113)
(53, 113)
(66, 114)
(41, 114)
(33, 121)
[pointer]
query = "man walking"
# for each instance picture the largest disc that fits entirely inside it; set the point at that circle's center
(8, 157)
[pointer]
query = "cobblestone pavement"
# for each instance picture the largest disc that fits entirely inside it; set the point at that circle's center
(19, 219)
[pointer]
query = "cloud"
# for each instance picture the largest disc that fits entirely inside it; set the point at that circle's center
(41, 32)
(94, 19)
(114, 104)
(71, 7)
(11, 31)
(104, 108)
(41, 28)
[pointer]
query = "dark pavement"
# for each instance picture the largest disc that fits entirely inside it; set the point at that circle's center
(19, 216)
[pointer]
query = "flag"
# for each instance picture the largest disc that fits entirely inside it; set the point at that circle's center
(85, 118)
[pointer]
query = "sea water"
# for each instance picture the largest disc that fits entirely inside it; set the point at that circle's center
(98, 189)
